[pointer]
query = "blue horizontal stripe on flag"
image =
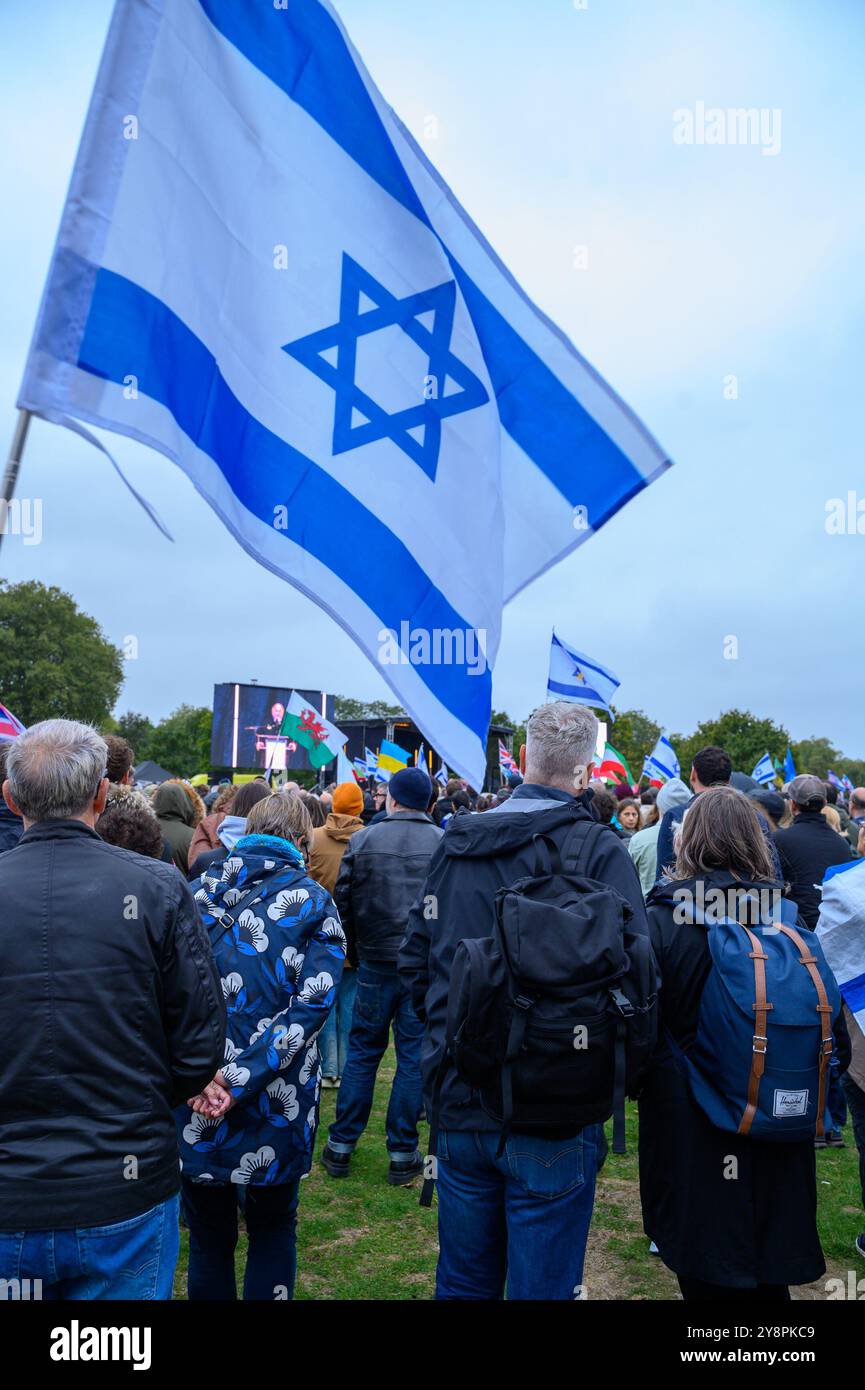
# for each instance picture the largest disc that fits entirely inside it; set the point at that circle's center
(585, 692)
(853, 992)
(303, 52)
(584, 661)
(129, 330)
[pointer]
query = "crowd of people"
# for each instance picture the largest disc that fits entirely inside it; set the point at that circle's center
(186, 968)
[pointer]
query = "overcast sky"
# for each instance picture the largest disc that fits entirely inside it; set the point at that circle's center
(555, 128)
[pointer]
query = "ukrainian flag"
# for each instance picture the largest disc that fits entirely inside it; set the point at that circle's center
(391, 757)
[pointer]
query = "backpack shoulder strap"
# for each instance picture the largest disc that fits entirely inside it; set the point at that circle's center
(579, 846)
(226, 920)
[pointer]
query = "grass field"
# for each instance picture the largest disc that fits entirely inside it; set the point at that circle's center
(360, 1239)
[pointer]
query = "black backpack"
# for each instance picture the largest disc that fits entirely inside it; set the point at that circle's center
(553, 1018)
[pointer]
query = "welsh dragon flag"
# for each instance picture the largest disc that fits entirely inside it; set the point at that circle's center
(310, 730)
(614, 768)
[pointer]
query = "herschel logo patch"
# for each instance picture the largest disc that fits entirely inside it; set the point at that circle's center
(788, 1103)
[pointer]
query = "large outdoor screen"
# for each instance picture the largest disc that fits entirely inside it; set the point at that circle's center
(246, 724)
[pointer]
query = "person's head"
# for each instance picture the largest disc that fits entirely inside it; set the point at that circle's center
(721, 831)
(131, 824)
(326, 799)
(410, 789)
(277, 712)
(560, 746)
(486, 801)
(603, 803)
(673, 793)
(317, 813)
(503, 794)
(56, 770)
(454, 784)
(831, 793)
(832, 816)
(380, 795)
(120, 759)
(807, 793)
(711, 768)
(248, 796)
(629, 814)
(199, 810)
(772, 805)
(283, 815)
(857, 802)
(347, 799)
(224, 800)
(5, 745)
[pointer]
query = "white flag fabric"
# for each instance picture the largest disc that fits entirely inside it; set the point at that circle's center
(259, 274)
(841, 929)
(575, 676)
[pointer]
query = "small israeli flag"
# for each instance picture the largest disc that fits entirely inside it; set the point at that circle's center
(442, 775)
(371, 759)
(574, 676)
(259, 274)
(662, 761)
(764, 772)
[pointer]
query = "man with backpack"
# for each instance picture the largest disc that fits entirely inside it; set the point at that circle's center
(530, 932)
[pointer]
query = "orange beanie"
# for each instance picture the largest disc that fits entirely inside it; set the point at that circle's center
(347, 799)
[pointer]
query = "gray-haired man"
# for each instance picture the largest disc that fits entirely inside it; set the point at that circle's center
(112, 1015)
(520, 1216)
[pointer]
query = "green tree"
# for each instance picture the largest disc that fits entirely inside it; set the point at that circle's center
(181, 742)
(633, 734)
(816, 755)
(740, 733)
(55, 661)
(345, 707)
(138, 731)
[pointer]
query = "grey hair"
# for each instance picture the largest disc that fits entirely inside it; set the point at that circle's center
(560, 742)
(54, 769)
(284, 815)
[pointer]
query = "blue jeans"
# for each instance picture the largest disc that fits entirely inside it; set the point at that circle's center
(132, 1259)
(333, 1038)
(210, 1211)
(521, 1220)
(381, 1000)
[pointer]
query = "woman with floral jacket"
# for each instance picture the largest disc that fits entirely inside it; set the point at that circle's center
(279, 947)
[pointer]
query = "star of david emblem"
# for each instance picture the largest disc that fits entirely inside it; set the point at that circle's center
(365, 307)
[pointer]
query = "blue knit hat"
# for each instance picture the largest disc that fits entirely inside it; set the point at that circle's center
(411, 787)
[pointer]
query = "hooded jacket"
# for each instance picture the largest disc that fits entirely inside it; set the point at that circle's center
(175, 815)
(204, 838)
(112, 1015)
(807, 849)
(478, 854)
(328, 847)
(760, 1228)
(380, 877)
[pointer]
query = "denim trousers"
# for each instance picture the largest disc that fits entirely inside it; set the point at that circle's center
(381, 1000)
(132, 1259)
(518, 1220)
(333, 1038)
(210, 1212)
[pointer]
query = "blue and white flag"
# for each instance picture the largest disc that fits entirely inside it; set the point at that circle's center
(662, 761)
(344, 769)
(371, 759)
(841, 930)
(259, 274)
(360, 767)
(789, 766)
(764, 772)
(442, 775)
(574, 676)
(420, 758)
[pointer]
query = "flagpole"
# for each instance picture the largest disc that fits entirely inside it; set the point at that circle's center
(13, 463)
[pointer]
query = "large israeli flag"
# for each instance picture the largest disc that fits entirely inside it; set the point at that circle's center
(764, 772)
(259, 274)
(575, 676)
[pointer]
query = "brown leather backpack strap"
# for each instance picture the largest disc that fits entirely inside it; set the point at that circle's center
(761, 1008)
(824, 1009)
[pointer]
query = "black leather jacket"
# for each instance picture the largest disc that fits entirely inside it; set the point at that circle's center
(112, 1014)
(382, 872)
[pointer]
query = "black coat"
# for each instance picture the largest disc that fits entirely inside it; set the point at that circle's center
(479, 854)
(112, 1015)
(758, 1227)
(381, 875)
(11, 827)
(807, 848)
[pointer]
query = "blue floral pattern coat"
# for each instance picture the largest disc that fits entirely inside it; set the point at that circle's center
(280, 964)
